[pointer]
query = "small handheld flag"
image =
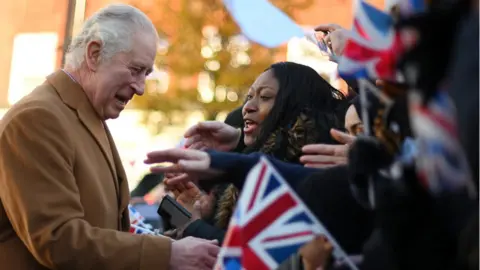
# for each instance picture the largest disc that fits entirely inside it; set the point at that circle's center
(137, 223)
(441, 163)
(135, 229)
(373, 46)
(269, 224)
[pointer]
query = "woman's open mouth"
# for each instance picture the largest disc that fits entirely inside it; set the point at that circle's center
(249, 126)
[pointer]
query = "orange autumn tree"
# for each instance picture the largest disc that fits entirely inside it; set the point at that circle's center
(203, 62)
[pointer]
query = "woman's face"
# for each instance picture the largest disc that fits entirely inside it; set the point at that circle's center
(259, 103)
(353, 123)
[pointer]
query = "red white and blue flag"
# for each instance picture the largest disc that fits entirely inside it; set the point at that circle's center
(373, 48)
(137, 222)
(135, 229)
(411, 7)
(441, 163)
(269, 224)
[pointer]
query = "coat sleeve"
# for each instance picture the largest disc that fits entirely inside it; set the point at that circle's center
(42, 201)
(237, 166)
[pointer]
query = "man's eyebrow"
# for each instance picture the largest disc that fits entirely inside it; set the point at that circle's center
(148, 69)
(140, 65)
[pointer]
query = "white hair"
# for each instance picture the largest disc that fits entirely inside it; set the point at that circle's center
(113, 26)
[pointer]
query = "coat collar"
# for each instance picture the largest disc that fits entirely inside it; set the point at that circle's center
(74, 96)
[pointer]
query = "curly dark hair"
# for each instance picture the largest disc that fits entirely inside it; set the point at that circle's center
(305, 109)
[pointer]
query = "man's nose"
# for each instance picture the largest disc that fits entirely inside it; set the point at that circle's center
(138, 87)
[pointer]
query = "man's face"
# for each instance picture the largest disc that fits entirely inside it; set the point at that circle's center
(118, 79)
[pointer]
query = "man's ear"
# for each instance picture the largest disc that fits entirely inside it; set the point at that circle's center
(92, 57)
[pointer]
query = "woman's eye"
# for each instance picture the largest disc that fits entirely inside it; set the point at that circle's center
(249, 97)
(358, 130)
(264, 97)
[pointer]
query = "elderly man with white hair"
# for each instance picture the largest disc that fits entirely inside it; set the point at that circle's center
(63, 190)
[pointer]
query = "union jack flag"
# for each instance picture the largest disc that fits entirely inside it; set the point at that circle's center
(373, 48)
(135, 229)
(441, 163)
(137, 220)
(269, 224)
(411, 7)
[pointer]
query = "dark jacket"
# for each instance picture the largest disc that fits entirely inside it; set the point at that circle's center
(237, 167)
(325, 192)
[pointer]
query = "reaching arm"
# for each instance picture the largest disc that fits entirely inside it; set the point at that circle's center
(42, 201)
(236, 167)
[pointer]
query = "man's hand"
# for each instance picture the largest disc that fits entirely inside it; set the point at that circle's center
(193, 253)
(327, 155)
(212, 135)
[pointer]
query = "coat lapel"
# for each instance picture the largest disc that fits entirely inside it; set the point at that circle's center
(123, 184)
(73, 96)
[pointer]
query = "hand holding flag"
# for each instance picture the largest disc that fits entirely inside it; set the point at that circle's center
(373, 47)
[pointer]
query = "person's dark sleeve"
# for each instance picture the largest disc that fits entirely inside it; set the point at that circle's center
(328, 195)
(235, 118)
(241, 145)
(237, 166)
(463, 89)
(148, 182)
(202, 229)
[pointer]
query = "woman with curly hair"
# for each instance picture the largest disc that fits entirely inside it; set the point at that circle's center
(289, 106)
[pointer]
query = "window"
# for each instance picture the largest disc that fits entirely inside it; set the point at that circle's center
(33, 58)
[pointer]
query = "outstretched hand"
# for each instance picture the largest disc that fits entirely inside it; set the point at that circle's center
(327, 155)
(212, 135)
(186, 195)
(190, 165)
